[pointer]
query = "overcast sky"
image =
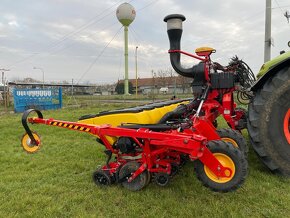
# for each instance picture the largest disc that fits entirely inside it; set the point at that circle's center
(83, 40)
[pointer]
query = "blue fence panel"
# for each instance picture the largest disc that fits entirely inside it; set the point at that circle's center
(41, 99)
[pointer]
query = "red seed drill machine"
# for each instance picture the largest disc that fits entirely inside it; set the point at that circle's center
(151, 142)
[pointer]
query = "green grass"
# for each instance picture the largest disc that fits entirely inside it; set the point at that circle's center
(56, 181)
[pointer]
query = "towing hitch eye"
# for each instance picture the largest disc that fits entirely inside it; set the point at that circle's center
(25, 125)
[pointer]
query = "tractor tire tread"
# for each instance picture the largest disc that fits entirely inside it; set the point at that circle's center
(260, 132)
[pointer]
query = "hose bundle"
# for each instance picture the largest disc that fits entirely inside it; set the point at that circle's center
(245, 77)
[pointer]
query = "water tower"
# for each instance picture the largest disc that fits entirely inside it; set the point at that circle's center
(126, 14)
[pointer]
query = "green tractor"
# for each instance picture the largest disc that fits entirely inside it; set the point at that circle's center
(269, 114)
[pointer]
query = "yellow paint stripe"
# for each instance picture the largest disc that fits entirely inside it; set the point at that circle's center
(76, 127)
(88, 129)
(70, 126)
(65, 125)
(59, 124)
(82, 128)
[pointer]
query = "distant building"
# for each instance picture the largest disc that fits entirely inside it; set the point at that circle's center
(157, 85)
(66, 88)
(164, 85)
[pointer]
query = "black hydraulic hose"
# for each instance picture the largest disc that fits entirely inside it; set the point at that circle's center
(174, 36)
(189, 72)
(180, 111)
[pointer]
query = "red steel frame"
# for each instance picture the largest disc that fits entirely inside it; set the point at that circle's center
(155, 145)
(212, 107)
(158, 146)
(160, 149)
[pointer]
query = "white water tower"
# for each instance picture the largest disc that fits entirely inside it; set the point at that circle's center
(126, 14)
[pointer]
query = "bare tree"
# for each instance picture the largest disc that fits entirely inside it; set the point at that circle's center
(165, 77)
(161, 78)
(183, 82)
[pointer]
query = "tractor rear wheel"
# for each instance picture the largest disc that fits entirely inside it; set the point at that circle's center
(235, 138)
(268, 123)
(230, 157)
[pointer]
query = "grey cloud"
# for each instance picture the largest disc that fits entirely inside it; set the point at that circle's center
(51, 29)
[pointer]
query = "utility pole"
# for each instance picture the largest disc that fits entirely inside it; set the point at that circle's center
(72, 93)
(268, 41)
(136, 85)
(72, 87)
(3, 74)
(5, 92)
(39, 68)
(153, 78)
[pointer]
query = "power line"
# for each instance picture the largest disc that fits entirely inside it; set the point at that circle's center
(78, 30)
(89, 23)
(283, 6)
(65, 37)
(100, 54)
(22, 60)
(74, 42)
(137, 42)
(279, 7)
(140, 9)
(81, 29)
(284, 14)
(92, 64)
(252, 16)
(146, 6)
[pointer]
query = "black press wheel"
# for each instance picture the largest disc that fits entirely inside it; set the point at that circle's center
(268, 122)
(161, 179)
(102, 178)
(235, 138)
(139, 182)
(229, 156)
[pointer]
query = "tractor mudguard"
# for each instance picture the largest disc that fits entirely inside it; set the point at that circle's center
(270, 68)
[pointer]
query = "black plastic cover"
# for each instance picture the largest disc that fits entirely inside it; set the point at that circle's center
(222, 80)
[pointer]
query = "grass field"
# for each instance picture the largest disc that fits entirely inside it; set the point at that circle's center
(56, 181)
